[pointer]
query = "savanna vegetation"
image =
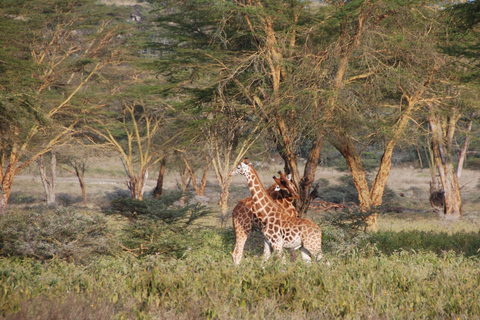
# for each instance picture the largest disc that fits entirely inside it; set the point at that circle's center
(122, 120)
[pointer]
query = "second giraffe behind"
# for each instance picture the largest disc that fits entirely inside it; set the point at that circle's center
(279, 229)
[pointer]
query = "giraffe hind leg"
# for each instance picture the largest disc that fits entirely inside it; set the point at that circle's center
(241, 236)
(305, 255)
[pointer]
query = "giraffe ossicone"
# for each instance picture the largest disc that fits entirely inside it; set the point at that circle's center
(279, 229)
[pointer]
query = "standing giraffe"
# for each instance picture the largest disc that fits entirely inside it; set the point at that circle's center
(244, 218)
(280, 230)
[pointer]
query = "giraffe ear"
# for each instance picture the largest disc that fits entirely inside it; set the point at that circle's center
(289, 177)
(277, 188)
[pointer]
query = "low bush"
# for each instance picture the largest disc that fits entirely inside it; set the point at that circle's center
(44, 234)
(162, 227)
(21, 198)
(66, 200)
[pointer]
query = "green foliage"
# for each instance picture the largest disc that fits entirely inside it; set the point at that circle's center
(354, 285)
(350, 220)
(466, 243)
(162, 227)
(44, 234)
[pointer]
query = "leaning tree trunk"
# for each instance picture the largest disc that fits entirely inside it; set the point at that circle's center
(345, 146)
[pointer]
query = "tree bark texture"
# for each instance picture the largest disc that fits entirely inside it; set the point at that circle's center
(442, 131)
(48, 178)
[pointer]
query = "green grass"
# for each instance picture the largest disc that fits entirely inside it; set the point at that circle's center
(386, 275)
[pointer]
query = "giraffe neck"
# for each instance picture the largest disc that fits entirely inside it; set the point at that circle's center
(260, 196)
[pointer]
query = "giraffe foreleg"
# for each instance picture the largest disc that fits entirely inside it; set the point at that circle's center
(278, 248)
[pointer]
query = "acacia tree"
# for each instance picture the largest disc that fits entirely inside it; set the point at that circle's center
(132, 135)
(49, 57)
(252, 48)
(354, 71)
(383, 67)
(458, 96)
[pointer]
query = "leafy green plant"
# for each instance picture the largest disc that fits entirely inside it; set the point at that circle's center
(44, 234)
(162, 227)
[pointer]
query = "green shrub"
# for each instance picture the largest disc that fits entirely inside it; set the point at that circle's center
(66, 200)
(21, 198)
(43, 234)
(162, 227)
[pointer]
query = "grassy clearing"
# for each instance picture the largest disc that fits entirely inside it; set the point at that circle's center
(400, 275)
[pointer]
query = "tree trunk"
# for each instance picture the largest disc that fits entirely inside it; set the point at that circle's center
(345, 146)
(3, 204)
(10, 172)
(442, 136)
(378, 185)
(79, 169)
(203, 182)
(199, 190)
(463, 152)
(81, 181)
(48, 180)
(137, 185)
(157, 192)
(309, 176)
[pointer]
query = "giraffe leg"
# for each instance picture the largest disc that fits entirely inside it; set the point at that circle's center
(315, 250)
(242, 230)
(267, 250)
(293, 255)
(278, 248)
(305, 255)
(237, 253)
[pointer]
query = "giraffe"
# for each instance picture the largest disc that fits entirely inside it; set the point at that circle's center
(279, 229)
(244, 219)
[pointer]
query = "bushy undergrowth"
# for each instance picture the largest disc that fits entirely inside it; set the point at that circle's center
(384, 275)
(162, 227)
(357, 284)
(44, 234)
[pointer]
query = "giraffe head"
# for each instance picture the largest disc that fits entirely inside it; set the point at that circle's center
(285, 183)
(242, 168)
